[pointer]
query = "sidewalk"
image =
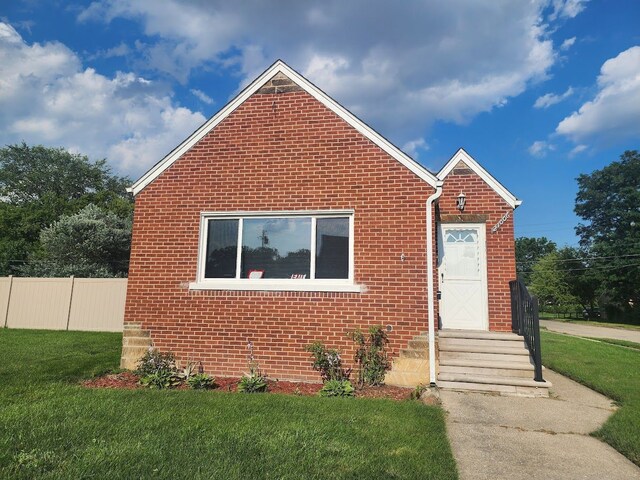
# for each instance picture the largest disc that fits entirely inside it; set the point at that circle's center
(534, 438)
(580, 330)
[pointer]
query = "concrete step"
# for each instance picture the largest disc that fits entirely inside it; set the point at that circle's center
(419, 344)
(136, 341)
(500, 363)
(483, 342)
(491, 380)
(134, 351)
(477, 334)
(406, 379)
(410, 365)
(134, 325)
(133, 332)
(506, 390)
(481, 357)
(413, 353)
(484, 349)
(525, 372)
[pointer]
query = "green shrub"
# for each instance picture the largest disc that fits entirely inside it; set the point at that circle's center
(253, 383)
(201, 381)
(417, 392)
(154, 361)
(188, 371)
(371, 356)
(328, 362)
(337, 388)
(161, 379)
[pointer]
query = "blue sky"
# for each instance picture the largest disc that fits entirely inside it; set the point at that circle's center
(537, 91)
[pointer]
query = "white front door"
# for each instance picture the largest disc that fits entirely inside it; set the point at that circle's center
(462, 270)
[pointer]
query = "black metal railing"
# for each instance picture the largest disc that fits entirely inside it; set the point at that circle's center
(525, 322)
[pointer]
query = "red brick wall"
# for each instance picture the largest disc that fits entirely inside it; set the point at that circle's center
(483, 204)
(279, 152)
(288, 152)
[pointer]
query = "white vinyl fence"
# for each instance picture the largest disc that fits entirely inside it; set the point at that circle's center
(89, 304)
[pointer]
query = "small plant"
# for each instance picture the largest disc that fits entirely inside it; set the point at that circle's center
(337, 388)
(161, 379)
(252, 384)
(154, 360)
(188, 371)
(254, 381)
(417, 392)
(328, 362)
(201, 381)
(371, 356)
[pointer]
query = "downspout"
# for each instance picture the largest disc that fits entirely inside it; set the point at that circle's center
(430, 299)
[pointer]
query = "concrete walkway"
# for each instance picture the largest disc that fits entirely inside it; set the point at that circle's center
(534, 438)
(581, 330)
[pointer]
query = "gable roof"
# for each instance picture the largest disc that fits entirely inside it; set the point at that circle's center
(462, 156)
(281, 67)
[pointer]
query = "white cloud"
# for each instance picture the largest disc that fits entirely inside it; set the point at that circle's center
(46, 96)
(203, 97)
(413, 147)
(567, 8)
(577, 150)
(548, 99)
(541, 148)
(568, 43)
(400, 67)
(614, 113)
(120, 50)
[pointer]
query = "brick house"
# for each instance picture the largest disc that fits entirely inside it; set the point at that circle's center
(284, 220)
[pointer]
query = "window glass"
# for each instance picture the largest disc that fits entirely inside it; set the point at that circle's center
(462, 253)
(332, 248)
(222, 248)
(277, 247)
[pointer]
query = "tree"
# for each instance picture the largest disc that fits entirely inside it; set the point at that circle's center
(582, 279)
(549, 283)
(38, 185)
(528, 251)
(90, 243)
(609, 202)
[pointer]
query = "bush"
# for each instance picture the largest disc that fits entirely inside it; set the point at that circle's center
(161, 379)
(417, 392)
(337, 388)
(371, 356)
(328, 362)
(201, 381)
(253, 383)
(155, 361)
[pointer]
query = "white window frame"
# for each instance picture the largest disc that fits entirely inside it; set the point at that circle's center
(275, 284)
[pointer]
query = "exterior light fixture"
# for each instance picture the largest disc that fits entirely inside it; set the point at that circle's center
(460, 201)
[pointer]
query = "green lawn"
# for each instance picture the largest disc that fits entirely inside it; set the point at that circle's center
(620, 343)
(52, 428)
(608, 369)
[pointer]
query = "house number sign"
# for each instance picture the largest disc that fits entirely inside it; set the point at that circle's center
(504, 218)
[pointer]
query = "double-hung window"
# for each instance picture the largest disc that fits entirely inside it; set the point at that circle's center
(276, 251)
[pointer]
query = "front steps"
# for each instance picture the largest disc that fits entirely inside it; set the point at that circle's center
(411, 368)
(135, 343)
(488, 362)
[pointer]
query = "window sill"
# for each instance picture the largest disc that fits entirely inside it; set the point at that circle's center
(277, 285)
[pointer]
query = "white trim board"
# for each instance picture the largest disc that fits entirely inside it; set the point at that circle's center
(463, 156)
(281, 67)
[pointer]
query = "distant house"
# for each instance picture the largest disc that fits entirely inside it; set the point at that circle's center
(284, 220)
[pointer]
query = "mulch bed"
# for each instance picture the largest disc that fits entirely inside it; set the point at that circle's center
(129, 381)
